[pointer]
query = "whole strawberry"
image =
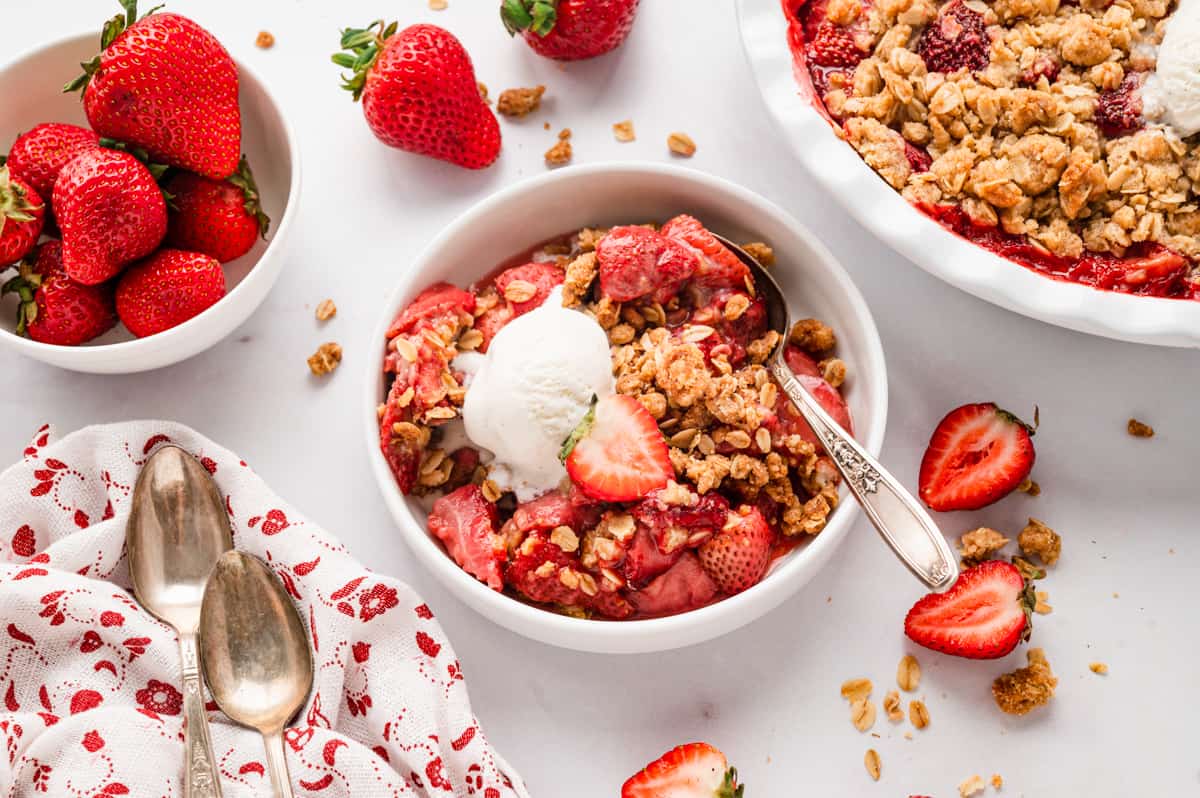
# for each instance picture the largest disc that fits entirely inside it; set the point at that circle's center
(165, 84)
(40, 154)
(22, 215)
(167, 289)
(221, 218)
(419, 92)
(570, 30)
(54, 308)
(737, 556)
(110, 212)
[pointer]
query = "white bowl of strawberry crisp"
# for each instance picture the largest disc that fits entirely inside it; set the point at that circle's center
(568, 417)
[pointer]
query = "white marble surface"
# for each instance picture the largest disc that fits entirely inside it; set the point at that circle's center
(768, 695)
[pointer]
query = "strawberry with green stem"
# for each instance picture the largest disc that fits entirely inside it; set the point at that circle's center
(695, 770)
(419, 92)
(570, 30)
(54, 309)
(39, 154)
(167, 289)
(984, 615)
(221, 218)
(22, 216)
(617, 452)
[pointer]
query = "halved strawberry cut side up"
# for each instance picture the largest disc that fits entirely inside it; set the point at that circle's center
(978, 454)
(695, 770)
(617, 453)
(984, 615)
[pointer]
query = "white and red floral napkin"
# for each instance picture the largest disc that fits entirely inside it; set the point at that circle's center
(89, 682)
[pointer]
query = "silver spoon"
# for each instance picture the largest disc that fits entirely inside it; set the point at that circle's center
(176, 531)
(899, 517)
(255, 653)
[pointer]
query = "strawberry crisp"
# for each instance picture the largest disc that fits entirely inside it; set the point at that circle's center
(1038, 129)
(593, 427)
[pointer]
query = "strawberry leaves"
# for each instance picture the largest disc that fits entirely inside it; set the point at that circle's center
(580, 432)
(243, 178)
(537, 16)
(113, 28)
(362, 46)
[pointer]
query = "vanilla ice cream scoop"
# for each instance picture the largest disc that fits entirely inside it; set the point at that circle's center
(1171, 94)
(532, 389)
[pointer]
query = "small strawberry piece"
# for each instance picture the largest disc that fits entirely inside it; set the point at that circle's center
(536, 572)
(787, 419)
(957, 39)
(167, 289)
(419, 92)
(1119, 111)
(569, 30)
(167, 85)
(547, 512)
(984, 615)
(695, 770)
(617, 453)
(39, 155)
(1044, 66)
(635, 262)
(800, 362)
(719, 268)
(674, 526)
(54, 308)
(465, 522)
(544, 277)
(492, 321)
(737, 556)
(22, 215)
(686, 586)
(110, 211)
(919, 159)
(978, 454)
(644, 560)
(436, 305)
(221, 218)
(834, 46)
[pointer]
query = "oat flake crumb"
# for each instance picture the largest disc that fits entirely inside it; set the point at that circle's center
(325, 359)
(681, 144)
(483, 91)
(1139, 430)
(997, 782)
(438, 5)
(918, 714)
(862, 714)
(1042, 607)
(520, 101)
(326, 310)
(559, 154)
(971, 786)
(1039, 540)
(908, 673)
(873, 764)
(760, 252)
(1099, 668)
(1030, 487)
(891, 705)
(856, 689)
(623, 131)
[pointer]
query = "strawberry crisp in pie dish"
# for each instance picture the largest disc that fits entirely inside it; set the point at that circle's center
(592, 429)
(1059, 135)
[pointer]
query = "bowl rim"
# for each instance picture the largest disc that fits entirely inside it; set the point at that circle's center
(151, 343)
(630, 635)
(887, 215)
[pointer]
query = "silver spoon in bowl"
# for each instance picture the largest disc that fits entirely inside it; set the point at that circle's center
(894, 512)
(255, 653)
(177, 529)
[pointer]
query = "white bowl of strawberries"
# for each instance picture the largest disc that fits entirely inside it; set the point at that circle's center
(686, 500)
(135, 232)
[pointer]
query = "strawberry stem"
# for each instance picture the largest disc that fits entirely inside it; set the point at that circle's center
(243, 178)
(362, 47)
(580, 432)
(14, 201)
(729, 787)
(113, 28)
(537, 16)
(25, 285)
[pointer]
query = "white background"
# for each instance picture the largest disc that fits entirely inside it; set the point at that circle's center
(576, 725)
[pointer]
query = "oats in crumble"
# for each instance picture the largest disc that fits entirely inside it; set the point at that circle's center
(862, 714)
(327, 358)
(813, 336)
(1041, 607)
(908, 673)
(760, 252)
(972, 785)
(623, 131)
(326, 310)
(873, 763)
(918, 714)
(891, 705)
(520, 102)
(856, 689)
(979, 545)
(681, 144)
(561, 152)
(1139, 430)
(1098, 668)
(1030, 487)
(1027, 688)
(1028, 570)
(1039, 540)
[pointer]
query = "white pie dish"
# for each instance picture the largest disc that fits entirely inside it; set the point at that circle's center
(31, 85)
(535, 210)
(838, 168)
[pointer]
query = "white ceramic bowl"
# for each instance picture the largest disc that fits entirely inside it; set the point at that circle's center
(517, 218)
(1166, 322)
(31, 86)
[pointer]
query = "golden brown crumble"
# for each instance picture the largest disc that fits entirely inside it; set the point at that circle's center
(681, 144)
(326, 310)
(519, 102)
(813, 336)
(520, 291)
(760, 252)
(578, 279)
(1039, 540)
(1139, 429)
(1030, 486)
(980, 544)
(483, 92)
(918, 714)
(872, 763)
(997, 782)
(891, 705)
(1026, 688)
(561, 152)
(439, 5)
(908, 673)
(1041, 607)
(623, 131)
(1098, 668)
(325, 359)
(972, 785)
(265, 40)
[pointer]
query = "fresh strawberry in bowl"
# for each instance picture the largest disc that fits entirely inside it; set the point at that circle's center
(221, 218)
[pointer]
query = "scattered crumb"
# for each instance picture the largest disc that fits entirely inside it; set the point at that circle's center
(908, 673)
(1040, 540)
(997, 782)
(891, 705)
(560, 153)
(760, 252)
(1028, 570)
(856, 689)
(1042, 607)
(918, 714)
(483, 91)
(908, 735)
(1116, 595)
(1139, 430)
(872, 763)
(681, 144)
(623, 131)
(971, 786)
(545, 126)
(980, 544)
(438, 5)
(1029, 486)
(1026, 688)
(520, 101)
(862, 714)
(264, 40)
(326, 310)
(1099, 668)
(325, 359)
(564, 134)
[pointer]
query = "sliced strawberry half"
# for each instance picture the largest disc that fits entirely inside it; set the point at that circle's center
(978, 454)
(719, 268)
(617, 453)
(636, 261)
(684, 587)
(438, 303)
(465, 522)
(984, 615)
(737, 556)
(695, 770)
(542, 276)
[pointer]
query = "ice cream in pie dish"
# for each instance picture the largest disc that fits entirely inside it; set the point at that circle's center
(1060, 135)
(593, 428)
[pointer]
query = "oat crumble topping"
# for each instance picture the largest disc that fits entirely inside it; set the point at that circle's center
(1098, 668)
(971, 786)
(560, 153)
(979, 545)
(1039, 540)
(760, 252)
(1026, 688)
(873, 764)
(326, 310)
(519, 102)
(325, 359)
(265, 40)
(1139, 430)
(623, 131)
(908, 673)
(681, 144)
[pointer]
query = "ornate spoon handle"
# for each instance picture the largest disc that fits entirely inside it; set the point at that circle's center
(900, 519)
(200, 770)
